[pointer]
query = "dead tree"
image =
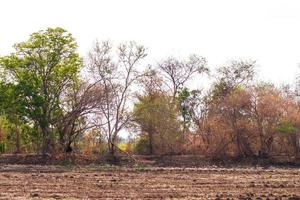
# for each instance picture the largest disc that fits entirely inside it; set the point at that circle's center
(116, 73)
(78, 104)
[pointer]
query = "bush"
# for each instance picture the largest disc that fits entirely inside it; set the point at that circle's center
(142, 146)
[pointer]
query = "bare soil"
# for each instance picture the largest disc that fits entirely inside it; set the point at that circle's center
(108, 182)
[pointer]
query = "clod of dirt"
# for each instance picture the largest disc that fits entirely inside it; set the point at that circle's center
(56, 196)
(281, 186)
(252, 184)
(34, 195)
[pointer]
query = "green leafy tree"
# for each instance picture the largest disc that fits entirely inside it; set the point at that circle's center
(159, 123)
(40, 69)
(11, 108)
(183, 100)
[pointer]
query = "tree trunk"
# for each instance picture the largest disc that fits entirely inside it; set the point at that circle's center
(238, 144)
(112, 157)
(18, 143)
(68, 148)
(47, 141)
(295, 143)
(151, 142)
(263, 150)
(111, 147)
(62, 140)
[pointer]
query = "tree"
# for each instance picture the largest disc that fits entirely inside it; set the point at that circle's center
(226, 109)
(231, 76)
(159, 124)
(151, 81)
(11, 108)
(186, 102)
(273, 112)
(41, 69)
(116, 76)
(176, 72)
(266, 115)
(77, 104)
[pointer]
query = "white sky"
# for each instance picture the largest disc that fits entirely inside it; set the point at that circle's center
(265, 30)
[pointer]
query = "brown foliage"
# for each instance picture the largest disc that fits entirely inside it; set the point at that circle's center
(255, 121)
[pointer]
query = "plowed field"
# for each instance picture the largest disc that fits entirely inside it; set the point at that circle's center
(57, 182)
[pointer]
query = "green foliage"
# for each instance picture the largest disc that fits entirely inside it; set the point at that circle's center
(5, 141)
(286, 127)
(183, 100)
(2, 147)
(158, 119)
(29, 139)
(41, 68)
(37, 74)
(142, 146)
(232, 77)
(154, 109)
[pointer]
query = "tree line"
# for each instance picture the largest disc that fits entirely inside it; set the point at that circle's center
(54, 101)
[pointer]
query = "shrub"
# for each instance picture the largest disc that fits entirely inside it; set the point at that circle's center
(142, 146)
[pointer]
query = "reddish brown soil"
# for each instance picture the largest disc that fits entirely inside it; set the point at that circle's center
(87, 182)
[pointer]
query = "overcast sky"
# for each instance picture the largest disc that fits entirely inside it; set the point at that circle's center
(264, 30)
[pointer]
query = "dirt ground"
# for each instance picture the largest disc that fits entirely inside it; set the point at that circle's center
(94, 182)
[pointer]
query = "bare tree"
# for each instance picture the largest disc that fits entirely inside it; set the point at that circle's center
(78, 104)
(116, 74)
(151, 81)
(177, 72)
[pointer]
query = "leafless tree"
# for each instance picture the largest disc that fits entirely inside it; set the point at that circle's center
(116, 73)
(177, 72)
(78, 104)
(151, 81)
